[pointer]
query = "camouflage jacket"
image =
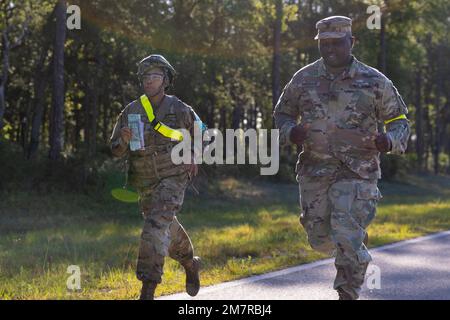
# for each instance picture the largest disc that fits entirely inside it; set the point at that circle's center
(154, 163)
(344, 112)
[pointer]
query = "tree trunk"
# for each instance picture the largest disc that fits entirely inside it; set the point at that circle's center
(77, 129)
(276, 52)
(446, 130)
(448, 156)
(40, 84)
(2, 105)
(57, 114)
(223, 119)
(105, 103)
(236, 117)
(90, 130)
(428, 129)
(4, 78)
(382, 53)
(419, 121)
(38, 117)
(24, 125)
(440, 110)
(448, 139)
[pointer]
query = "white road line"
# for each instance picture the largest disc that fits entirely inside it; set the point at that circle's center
(234, 283)
(410, 241)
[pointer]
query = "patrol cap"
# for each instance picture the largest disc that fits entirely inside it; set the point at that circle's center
(333, 27)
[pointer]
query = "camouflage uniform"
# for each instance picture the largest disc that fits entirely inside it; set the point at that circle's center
(160, 184)
(339, 166)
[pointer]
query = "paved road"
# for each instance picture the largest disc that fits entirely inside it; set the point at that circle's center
(412, 269)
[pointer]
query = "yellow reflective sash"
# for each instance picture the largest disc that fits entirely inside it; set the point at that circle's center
(159, 126)
(396, 118)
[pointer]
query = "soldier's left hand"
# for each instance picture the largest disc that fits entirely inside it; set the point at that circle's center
(383, 143)
(299, 133)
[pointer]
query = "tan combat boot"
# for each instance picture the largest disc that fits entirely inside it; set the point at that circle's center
(192, 269)
(148, 290)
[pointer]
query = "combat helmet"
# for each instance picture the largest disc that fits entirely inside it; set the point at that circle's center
(156, 60)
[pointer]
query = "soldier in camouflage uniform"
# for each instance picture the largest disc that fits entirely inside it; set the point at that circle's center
(339, 102)
(160, 183)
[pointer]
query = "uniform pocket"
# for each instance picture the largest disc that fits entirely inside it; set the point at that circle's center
(366, 191)
(359, 109)
(170, 120)
(313, 112)
(364, 207)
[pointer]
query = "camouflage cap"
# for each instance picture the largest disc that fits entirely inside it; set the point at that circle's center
(333, 27)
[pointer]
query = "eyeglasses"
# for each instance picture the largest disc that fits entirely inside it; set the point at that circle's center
(152, 77)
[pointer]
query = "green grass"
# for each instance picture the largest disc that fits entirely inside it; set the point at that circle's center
(238, 228)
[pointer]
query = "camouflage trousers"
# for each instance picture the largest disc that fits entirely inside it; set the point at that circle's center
(162, 234)
(335, 214)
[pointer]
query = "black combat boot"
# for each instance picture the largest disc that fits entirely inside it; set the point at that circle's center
(344, 295)
(192, 269)
(148, 290)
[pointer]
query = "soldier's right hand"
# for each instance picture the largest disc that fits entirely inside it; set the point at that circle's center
(299, 133)
(125, 134)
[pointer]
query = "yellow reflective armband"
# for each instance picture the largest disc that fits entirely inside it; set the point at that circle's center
(396, 118)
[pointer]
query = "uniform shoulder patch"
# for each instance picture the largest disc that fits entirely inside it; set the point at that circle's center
(370, 72)
(361, 83)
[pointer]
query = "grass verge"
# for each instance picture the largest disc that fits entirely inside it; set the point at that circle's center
(238, 228)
